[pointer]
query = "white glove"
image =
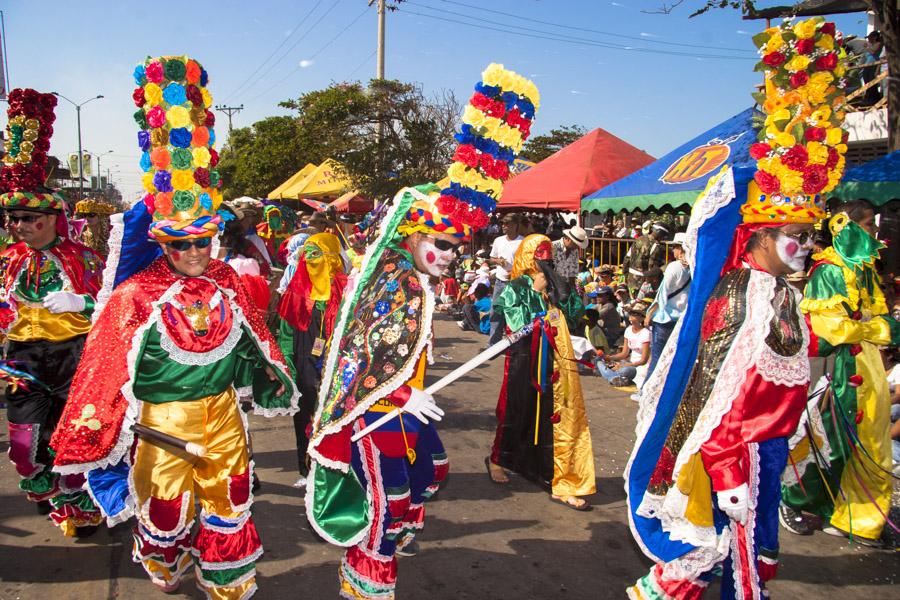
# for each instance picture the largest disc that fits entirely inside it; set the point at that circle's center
(60, 302)
(422, 406)
(735, 503)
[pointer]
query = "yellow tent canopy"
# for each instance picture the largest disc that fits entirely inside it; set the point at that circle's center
(326, 181)
(299, 176)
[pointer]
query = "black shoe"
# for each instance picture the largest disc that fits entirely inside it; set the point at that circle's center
(792, 520)
(86, 531)
(411, 549)
(256, 484)
(43, 507)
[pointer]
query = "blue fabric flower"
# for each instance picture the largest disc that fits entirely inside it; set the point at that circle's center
(144, 140)
(175, 94)
(382, 307)
(392, 286)
(180, 137)
(405, 265)
(145, 161)
(212, 136)
(204, 77)
(205, 201)
(162, 181)
(140, 77)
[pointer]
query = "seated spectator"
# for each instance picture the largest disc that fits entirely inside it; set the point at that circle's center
(477, 311)
(594, 333)
(892, 366)
(629, 365)
(609, 319)
(449, 292)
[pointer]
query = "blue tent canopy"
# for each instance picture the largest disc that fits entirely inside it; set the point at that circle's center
(878, 181)
(678, 177)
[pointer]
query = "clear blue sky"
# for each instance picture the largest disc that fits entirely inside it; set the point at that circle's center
(647, 78)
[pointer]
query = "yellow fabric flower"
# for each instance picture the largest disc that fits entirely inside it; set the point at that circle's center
(782, 114)
(840, 69)
(833, 136)
(147, 181)
(207, 97)
(791, 182)
(798, 63)
(841, 148)
(775, 42)
(178, 116)
(826, 42)
(474, 116)
(182, 179)
(201, 157)
(216, 197)
(818, 153)
(821, 114)
(805, 29)
(785, 139)
(152, 93)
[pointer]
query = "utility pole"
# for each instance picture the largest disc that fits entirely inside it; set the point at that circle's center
(379, 67)
(229, 110)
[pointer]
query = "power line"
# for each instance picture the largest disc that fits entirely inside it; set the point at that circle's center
(315, 54)
(362, 64)
(578, 41)
(585, 29)
(288, 51)
(275, 51)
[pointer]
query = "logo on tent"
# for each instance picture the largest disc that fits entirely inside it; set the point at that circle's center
(700, 162)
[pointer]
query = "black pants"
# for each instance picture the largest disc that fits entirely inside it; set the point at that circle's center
(53, 364)
(308, 369)
(471, 319)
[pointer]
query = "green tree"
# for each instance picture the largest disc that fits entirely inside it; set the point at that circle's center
(540, 147)
(387, 135)
(259, 158)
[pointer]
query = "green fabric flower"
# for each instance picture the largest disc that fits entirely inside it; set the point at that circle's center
(175, 69)
(181, 158)
(140, 118)
(183, 200)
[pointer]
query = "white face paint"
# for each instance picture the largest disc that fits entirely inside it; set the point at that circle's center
(791, 252)
(429, 259)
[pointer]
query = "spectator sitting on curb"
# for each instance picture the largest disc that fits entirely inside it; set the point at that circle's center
(627, 366)
(476, 310)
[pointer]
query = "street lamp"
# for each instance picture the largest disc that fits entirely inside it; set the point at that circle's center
(80, 157)
(99, 172)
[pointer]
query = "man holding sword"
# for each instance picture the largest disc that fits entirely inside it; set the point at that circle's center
(373, 466)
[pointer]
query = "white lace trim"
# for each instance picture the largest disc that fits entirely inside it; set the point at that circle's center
(234, 564)
(187, 357)
(309, 502)
(698, 561)
(375, 486)
(201, 582)
(180, 527)
(117, 230)
(741, 357)
(711, 200)
(399, 378)
(245, 507)
(237, 524)
(788, 371)
(111, 520)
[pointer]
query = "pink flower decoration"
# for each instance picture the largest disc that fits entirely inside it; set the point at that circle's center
(154, 72)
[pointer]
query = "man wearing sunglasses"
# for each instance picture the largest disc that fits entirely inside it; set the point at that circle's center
(49, 284)
(175, 345)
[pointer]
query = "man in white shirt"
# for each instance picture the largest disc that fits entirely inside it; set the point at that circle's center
(503, 250)
(670, 302)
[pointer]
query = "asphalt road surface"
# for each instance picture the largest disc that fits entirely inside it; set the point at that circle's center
(481, 541)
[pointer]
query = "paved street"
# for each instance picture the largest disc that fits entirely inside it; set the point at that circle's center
(481, 540)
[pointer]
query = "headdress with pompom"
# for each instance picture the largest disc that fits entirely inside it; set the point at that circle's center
(177, 139)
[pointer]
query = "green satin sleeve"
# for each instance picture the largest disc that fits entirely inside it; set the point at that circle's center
(573, 309)
(339, 507)
(519, 303)
(285, 339)
(827, 282)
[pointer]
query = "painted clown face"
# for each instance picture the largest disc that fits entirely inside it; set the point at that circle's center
(793, 245)
(432, 253)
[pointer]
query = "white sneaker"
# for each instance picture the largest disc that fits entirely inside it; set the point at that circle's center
(636, 396)
(462, 325)
(300, 483)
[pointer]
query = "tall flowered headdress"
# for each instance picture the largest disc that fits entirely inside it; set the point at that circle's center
(177, 139)
(801, 147)
(95, 207)
(27, 142)
(496, 123)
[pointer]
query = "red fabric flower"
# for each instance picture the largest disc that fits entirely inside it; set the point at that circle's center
(815, 177)
(201, 176)
(138, 96)
(855, 349)
(814, 134)
(446, 204)
(193, 94)
(154, 72)
(827, 28)
(827, 62)
(773, 59)
(855, 380)
(768, 183)
(833, 157)
(859, 416)
(799, 78)
(156, 116)
(795, 158)
(466, 154)
(555, 417)
(714, 317)
(210, 119)
(213, 157)
(150, 203)
(495, 109)
(806, 46)
(760, 150)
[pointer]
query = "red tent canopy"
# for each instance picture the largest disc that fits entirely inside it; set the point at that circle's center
(562, 179)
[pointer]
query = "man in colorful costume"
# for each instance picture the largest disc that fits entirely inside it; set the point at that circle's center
(369, 495)
(731, 383)
(96, 214)
(542, 430)
(308, 310)
(177, 340)
(844, 460)
(47, 292)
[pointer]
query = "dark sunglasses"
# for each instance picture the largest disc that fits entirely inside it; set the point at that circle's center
(24, 219)
(442, 245)
(802, 237)
(185, 245)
